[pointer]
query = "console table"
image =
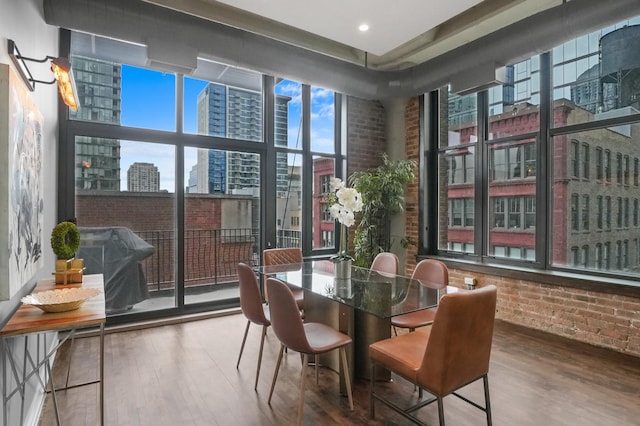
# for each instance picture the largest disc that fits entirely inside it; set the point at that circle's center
(31, 320)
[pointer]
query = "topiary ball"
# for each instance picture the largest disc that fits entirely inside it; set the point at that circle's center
(65, 240)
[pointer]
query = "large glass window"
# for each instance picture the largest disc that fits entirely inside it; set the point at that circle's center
(586, 148)
(213, 165)
(456, 168)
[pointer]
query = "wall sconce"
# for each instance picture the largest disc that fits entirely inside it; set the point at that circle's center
(61, 68)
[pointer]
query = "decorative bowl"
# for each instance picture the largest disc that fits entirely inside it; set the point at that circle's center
(60, 300)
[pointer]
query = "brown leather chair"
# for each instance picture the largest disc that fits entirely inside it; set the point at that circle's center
(307, 338)
(284, 256)
(253, 309)
(385, 262)
(451, 354)
(431, 273)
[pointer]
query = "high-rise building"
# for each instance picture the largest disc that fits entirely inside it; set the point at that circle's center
(143, 177)
(236, 113)
(99, 90)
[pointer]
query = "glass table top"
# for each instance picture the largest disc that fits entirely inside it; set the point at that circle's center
(376, 293)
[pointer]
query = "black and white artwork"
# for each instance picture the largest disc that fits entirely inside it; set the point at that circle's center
(21, 185)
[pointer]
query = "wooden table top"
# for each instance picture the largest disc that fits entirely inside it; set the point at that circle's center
(29, 319)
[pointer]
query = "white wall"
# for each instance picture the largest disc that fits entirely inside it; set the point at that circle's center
(23, 22)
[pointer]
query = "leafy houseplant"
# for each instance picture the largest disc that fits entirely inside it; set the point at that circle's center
(382, 190)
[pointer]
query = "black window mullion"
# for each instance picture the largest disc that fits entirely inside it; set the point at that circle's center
(544, 179)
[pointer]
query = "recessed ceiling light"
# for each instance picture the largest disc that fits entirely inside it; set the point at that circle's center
(363, 27)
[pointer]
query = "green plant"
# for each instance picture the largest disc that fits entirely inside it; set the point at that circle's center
(65, 240)
(383, 189)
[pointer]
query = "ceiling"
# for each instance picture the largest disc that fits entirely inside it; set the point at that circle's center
(401, 34)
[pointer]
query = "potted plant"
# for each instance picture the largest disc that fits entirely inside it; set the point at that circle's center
(383, 189)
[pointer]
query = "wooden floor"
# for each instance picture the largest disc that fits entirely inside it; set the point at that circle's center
(186, 374)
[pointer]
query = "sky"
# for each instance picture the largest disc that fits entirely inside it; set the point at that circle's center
(149, 99)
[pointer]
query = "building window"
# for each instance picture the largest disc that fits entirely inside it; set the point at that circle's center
(585, 212)
(626, 169)
(584, 256)
(600, 213)
(325, 183)
(636, 172)
(636, 212)
(608, 213)
(620, 213)
(530, 213)
(599, 164)
(326, 213)
(626, 213)
(607, 165)
(619, 171)
(584, 160)
(575, 155)
(575, 200)
(598, 254)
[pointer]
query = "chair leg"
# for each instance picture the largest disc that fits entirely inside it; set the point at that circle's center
(395, 331)
(372, 411)
(275, 373)
(487, 403)
(440, 410)
(264, 334)
(347, 375)
(244, 339)
(303, 377)
(317, 361)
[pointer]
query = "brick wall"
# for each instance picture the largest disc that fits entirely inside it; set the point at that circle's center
(601, 319)
(412, 119)
(366, 139)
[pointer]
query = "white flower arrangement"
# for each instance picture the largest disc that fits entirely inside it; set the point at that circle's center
(344, 203)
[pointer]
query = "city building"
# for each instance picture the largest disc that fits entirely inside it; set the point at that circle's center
(234, 113)
(143, 177)
(99, 90)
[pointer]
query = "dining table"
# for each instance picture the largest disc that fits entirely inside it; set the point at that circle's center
(360, 305)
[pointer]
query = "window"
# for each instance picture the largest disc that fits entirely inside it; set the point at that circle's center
(620, 213)
(575, 155)
(530, 213)
(462, 212)
(585, 212)
(584, 256)
(600, 214)
(636, 172)
(585, 161)
(619, 170)
(626, 169)
(587, 144)
(575, 200)
(325, 186)
(636, 212)
(460, 168)
(326, 213)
